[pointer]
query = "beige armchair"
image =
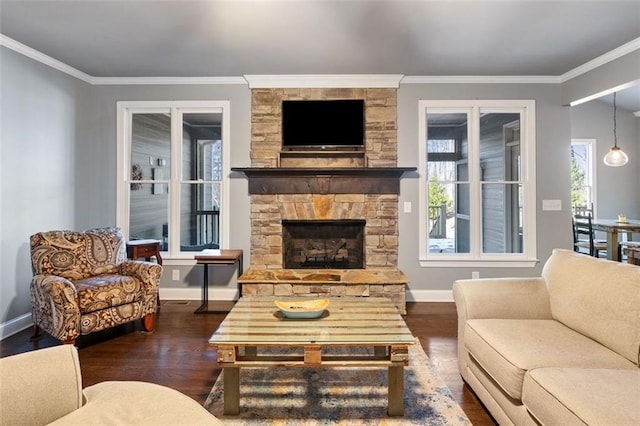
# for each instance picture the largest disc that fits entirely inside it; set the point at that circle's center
(45, 387)
(82, 282)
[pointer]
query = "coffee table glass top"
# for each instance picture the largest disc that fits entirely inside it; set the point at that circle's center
(346, 321)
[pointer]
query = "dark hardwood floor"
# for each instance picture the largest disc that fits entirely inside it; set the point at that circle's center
(177, 354)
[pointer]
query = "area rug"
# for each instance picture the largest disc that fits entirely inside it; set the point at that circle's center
(339, 396)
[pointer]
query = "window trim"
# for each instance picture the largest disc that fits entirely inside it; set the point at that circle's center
(528, 178)
(124, 111)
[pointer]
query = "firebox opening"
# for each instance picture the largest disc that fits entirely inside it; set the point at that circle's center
(333, 244)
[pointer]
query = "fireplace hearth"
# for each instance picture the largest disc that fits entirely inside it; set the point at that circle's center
(316, 244)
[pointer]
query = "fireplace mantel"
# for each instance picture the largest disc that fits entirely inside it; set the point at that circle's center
(323, 180)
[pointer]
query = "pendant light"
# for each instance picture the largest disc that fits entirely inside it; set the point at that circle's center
(615, 157)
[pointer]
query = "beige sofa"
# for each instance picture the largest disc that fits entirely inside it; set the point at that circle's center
(45, 387)
(561, 349)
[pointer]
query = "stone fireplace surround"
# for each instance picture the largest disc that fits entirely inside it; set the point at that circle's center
(270, 204)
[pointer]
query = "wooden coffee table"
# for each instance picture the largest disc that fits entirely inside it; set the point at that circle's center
(255, 323)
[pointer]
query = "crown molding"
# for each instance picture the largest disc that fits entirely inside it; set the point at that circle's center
(44, 59)
(601, 60)
(480, 79)
(323, 81)
(106, 81)
(605, 92)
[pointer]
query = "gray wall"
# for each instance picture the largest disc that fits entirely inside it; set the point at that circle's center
(58, 160)
(553, 153)
(616, 187)
(41, 114)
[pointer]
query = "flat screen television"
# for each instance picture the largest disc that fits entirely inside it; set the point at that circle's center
(323, 124)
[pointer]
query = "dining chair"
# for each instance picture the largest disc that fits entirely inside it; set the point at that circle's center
(583, 210)
(584, 238)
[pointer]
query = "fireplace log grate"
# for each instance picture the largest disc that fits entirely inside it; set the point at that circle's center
(333, 244)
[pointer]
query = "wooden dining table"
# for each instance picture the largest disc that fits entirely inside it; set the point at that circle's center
(613, 228)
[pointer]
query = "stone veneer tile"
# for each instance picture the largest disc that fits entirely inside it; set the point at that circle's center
(301, 289)
(257, 290)
(358, 290)
(282, 289)
(338, 290)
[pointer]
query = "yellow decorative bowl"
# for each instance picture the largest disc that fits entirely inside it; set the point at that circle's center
(303, 309)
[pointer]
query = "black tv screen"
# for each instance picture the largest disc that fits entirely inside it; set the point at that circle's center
(322, 124)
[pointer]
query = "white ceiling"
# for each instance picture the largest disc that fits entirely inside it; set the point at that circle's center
(147, 38)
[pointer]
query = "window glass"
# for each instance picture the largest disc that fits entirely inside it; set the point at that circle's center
(148, 211)
(200, 223)
(502, 218)
(439, 145)
(150, 162)
(582, 189)
(498, 136)
(446, 133)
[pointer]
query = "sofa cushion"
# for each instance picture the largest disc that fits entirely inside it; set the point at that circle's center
(137, 403)
(577, 396)
(597, 298)
(506, 349)
(106, 291)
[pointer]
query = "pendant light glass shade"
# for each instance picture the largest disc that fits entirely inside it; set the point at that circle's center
(615, 157)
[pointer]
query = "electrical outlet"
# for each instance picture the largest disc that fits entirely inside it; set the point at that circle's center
(175, 274)
(475, 275)
(407, 206)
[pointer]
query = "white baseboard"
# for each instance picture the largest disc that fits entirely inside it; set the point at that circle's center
(429, 295)
(15, 325)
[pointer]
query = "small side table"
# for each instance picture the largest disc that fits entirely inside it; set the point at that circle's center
(145, 249)
(215, 257)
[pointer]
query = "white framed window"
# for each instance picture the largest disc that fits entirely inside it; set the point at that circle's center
(583, 171)
(477, 186)
(173, 168)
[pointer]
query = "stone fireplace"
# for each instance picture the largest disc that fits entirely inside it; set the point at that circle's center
(306, 192)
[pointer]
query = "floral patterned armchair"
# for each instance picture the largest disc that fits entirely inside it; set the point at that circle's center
(82, 282)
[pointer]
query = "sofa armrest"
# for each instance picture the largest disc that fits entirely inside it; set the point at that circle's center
(508, 298)
(505, 298)
(40, 386)
(55, 306)
(147, 272)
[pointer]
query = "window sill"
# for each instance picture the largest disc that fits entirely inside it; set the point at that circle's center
(466, 263)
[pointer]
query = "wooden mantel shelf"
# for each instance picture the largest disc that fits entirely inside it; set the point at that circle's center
(324, 180)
